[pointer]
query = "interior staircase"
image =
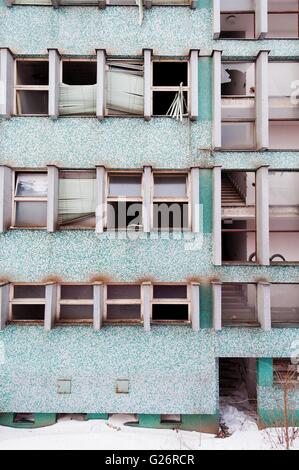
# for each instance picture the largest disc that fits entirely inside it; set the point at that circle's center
(230, 195)
(235, 307)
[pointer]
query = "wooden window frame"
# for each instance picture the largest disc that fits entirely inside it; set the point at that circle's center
(16, 199)
(74, 302)
(25, 301)
(186, 200)
(134, 199)
(18, 88)
(174, 89)
(121, 301)
(171, 301)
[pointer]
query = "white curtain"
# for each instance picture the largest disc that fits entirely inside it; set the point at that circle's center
(125, 89)
(77, 199)
(77, 100)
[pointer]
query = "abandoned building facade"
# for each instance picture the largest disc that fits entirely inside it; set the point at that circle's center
(149, 209)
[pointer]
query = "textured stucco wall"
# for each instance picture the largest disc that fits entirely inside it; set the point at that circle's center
(171, 369)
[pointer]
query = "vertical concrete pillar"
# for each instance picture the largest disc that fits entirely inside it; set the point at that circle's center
(261, 18)
(147, 198)
(51, 306)
(6, 176)
(194, 84)
(6, 82)
(54, 83)
(98, 306)
(217, 99)
(262, 216)
(262, 101)
(264, 305)
(217, 307)
(216, 18)
(195, 201)
(217, 249)
(195, 306)
(4, 304)
(52, 205)
(101, 79)
(101, 199)
(148, 73)
(146, 296)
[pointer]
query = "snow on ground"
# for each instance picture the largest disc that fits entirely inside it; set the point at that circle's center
(113, 435)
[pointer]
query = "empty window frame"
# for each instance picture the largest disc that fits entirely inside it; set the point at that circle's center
(285, 305)
(284, 216)
(170, 88)
(123, 303)
(30, 200)
(75, 303)
(238, 213)
(285, 371)
(238, 105)
(283, 105)
(171, 303)
(237, 20)
(78, 88)
(31, 87)
(124, 87)
(171, 202)
(77, 199)
(124, 201)
(239, 305)
(283, 19)
(27, 303)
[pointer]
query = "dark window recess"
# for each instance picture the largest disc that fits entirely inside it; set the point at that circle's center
(162, 100)
(32, 102)
(170, 419)
(170, 312)
(79, 73)
(32, 73)
(76, 312)
(28, 312)
(170, 73)
(123, 292)
(170, 292)
(121, 215)
(29, 292)
(123, 312)
(25, 418)
(76, 292)
(170, 216)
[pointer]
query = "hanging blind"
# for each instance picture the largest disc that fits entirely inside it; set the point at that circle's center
(77, 100)
(77, 199)
(125, 88)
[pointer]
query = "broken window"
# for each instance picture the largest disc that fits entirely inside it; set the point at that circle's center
(124, 88)
(171, 202)
(123, 303)
(284, 216)
(285, 305)
(27, 303)
(285, 371)
(237, 19)
(238, 216)
(23, 418)
(31, 87)
(238, 105)
(239, 305)
(283, 19)
(30, 200)
(77, 199)
(170, 88)
(170, 303)
(283, 105)
(78, 89)
(75, 303)
(124, 202)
